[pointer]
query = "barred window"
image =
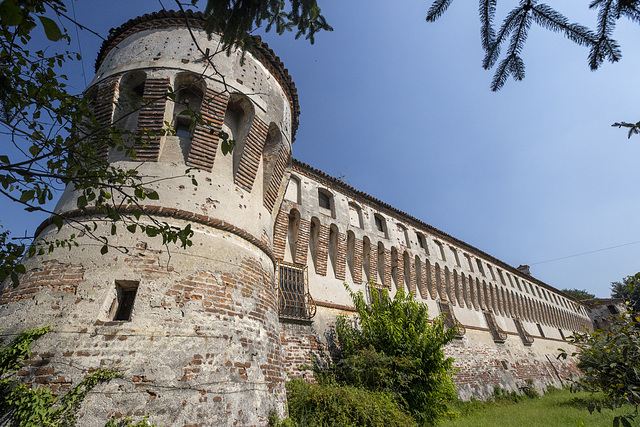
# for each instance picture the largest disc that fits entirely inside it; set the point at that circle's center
(295, 302)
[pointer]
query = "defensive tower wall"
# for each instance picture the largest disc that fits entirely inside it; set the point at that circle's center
(194, 331)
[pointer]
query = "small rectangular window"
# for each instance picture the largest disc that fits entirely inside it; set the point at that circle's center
(480, 269)
(324, 201)
(379, 223)
(122, 306)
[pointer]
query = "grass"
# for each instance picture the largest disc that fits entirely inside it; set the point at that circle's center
(555, 408)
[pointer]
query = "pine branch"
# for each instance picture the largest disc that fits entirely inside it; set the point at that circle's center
(634, 128)
(552, 20)
(437, 9)
(604, 47)
(630, 10)
(513, 64)
(508, 25)
(487, 11)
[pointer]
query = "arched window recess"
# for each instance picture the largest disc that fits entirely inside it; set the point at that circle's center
(187, 97)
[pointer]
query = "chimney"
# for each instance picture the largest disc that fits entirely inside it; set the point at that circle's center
(524, 269)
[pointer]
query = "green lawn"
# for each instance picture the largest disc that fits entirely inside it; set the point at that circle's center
(558, 408)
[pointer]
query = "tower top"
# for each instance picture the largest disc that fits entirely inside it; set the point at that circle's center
(196, 20)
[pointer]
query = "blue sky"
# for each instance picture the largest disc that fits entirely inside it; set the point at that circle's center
(402, 110)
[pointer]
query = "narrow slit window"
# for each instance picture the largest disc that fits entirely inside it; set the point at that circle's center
(122, 307)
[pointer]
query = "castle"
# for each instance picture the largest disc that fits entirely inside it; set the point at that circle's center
(208, 335)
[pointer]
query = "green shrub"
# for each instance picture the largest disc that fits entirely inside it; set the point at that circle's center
(529, 389)
(317, 405)
(393, 347)
(609, 359)
(502, 395)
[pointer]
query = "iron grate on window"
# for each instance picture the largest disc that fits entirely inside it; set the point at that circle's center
(295, 302)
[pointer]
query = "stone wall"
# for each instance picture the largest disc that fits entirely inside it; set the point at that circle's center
(511, 323)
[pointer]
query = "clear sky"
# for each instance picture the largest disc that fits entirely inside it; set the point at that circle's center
(401, 109)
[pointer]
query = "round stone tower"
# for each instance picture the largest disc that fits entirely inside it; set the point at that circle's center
(194, 331)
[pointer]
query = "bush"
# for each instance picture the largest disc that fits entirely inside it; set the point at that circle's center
(610, 359)
(392, 347)
(502, 395)
(318, 405)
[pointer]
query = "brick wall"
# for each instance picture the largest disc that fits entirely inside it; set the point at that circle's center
(103, 107)
(151, 117)
(200, 345)
(323, 250)
(251, 154)
(204, 143)
(302, 246)
(357, 262)
(53, 276)
(299, 346)
(280, 234)
(341, 256)
(271, 191)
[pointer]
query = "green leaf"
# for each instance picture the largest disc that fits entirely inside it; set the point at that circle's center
(104, 249)
(153, 195)
(51, 29)
(131, 228)
(57, 220)
(10, 13)
(82, 202)
(27, 196)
